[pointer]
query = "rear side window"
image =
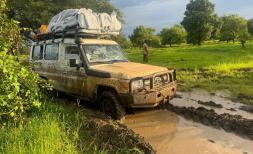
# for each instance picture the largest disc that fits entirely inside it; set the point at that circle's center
(72, 52)
(38, 52)
(51, 52)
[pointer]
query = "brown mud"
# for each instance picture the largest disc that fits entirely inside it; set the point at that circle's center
(247, 109)
(116, 137)
(230, 123)
(210, 103)
(212, 124)
(168, 133)
(214, 110)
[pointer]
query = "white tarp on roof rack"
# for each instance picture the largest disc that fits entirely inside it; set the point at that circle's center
(87, 20)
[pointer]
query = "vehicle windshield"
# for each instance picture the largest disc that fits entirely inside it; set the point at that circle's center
(104, 53)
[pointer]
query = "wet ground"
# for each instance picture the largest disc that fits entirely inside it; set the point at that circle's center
(169, 133)
(216, 101)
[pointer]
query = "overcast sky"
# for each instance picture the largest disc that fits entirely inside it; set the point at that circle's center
(165, 13)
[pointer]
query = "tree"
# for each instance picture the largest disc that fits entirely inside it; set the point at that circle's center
(198, 19)
(10, 28)
(33, 13)
(174, 35)
(123, 42)
(234, 27)
(140, 34)
(217, 24)
(250, 26)
(154, 41)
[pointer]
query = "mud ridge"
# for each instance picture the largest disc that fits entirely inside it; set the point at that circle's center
(247, 109)
(113, 136)
(230, 123)
(211, 104)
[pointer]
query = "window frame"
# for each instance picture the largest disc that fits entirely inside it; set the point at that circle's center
(45, 49)
(71, 45)
(42, 56)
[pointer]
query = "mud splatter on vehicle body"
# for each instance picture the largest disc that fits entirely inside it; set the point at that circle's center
(97, 70)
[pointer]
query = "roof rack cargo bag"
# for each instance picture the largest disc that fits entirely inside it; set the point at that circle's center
(87, 21)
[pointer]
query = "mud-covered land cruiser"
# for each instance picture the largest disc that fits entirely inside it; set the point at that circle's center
(95, 69)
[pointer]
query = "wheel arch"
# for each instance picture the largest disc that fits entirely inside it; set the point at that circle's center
(101, 88)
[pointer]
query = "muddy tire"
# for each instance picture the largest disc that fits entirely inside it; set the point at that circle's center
(110, 105)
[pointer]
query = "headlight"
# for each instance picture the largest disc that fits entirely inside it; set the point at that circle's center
(137, 85)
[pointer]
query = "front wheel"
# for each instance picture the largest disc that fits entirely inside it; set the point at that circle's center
(111, 106)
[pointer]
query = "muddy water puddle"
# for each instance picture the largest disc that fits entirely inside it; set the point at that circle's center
(170, 134)
(200, 98)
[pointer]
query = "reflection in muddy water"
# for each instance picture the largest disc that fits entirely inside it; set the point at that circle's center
(170, 134)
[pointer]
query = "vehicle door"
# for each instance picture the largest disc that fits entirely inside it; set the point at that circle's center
(51, 63)
(74, 77)
(37, 57)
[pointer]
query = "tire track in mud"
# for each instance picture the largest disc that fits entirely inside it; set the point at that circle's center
(230, 123)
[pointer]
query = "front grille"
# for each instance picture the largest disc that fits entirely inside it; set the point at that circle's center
(159, 82)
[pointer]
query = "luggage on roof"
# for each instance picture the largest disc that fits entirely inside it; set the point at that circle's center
(86, 21)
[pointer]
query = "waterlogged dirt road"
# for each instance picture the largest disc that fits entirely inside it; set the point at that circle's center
(169, 133)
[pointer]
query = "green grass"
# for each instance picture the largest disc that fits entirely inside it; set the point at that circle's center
(188, 56)
(54, 129)
(213, 67)
(61, 126)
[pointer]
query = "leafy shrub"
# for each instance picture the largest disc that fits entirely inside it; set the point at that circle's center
(19, 86)
(9, 31)
(19, 89)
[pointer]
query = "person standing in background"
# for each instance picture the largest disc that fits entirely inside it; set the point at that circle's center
(145, 52)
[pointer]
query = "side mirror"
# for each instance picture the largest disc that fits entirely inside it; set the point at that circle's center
(73, 63)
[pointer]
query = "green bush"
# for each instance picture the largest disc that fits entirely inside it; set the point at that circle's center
(19, 86)
(19, 89)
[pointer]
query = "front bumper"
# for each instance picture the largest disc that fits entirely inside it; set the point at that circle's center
(149, 99)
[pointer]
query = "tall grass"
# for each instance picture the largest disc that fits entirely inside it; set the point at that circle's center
(54, 129)
(226, 67)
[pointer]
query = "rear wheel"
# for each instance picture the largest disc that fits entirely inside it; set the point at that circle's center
(111, 106)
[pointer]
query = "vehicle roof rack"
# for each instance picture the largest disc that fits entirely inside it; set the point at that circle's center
(72, 33)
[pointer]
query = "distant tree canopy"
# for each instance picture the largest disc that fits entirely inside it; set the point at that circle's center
(198, 20)
(142, 33)
(123, 42)
(217, 24)
(33, 13)
(173, 35)
(234, 27)
(250, 26)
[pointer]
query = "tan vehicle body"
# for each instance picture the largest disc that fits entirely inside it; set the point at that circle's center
(77, 82)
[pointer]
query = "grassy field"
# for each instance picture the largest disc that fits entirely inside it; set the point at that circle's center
(213, 67)
(53, 129)
(61, 127)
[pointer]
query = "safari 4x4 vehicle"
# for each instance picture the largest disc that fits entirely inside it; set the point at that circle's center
(93, 68)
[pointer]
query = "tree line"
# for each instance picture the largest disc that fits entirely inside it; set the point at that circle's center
(33, 13)
(200, 23)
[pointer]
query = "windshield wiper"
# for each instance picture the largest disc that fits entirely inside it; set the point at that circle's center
(117, 61)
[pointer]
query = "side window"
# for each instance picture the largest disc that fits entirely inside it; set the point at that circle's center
(51, 52)
(72, 52)
(38, 52)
